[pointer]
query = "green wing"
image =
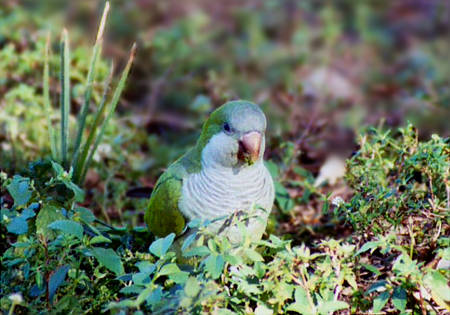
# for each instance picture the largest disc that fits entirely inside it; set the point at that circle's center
(163, 215)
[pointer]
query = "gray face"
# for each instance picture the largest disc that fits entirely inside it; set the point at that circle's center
(246, 118)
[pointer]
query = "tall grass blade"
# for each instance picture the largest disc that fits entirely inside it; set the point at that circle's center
(65, 95)
(89, 85)
(97, 119)
(112, 107)
(47, 104)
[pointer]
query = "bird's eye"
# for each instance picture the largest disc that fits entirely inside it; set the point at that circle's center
(226, 127)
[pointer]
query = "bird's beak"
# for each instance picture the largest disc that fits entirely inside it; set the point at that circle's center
(249, 147)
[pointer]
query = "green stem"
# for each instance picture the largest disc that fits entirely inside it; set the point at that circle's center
(65, 96)
(90, 80)
(112, 107)
(97, 119)
(47, 103)
(11, 310)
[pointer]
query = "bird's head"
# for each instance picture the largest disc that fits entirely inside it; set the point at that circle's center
(233, 135)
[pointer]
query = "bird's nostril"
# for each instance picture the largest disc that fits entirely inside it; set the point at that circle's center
(241, 146)
(249, 146)
(242, 152)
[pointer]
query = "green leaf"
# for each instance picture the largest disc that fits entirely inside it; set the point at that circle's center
(283, 291)
(112, 106)
(18, 226)
(109, 259)
(301, 304)
(351, 279)
(85, 214)
(273, 169)
(224, 311)
(65, 178)
(233, 259)
(80, 160)
(179, 277)
(29, 212)
(155, 296)
(445, 253)
(141, 278)
(99, 239)
(371, 268)
(122, 304)
(260, 269)
(78, 192)
(47, 103)
(212, 246)
(150, 295)
(214, 265)
(20, 190)
(56, 279)
(277, 242)
(145, 266)
(377, 285)
(168, 269)
(68, 302)
(161, 245)
(197, 251)
(331, 307)
(65, 95)
(253, 255)
(192, 287)
(262, 309)
(188, 241)
(367, 246)
(282, 198)
(132, 289)
(68, 227)
(195, 223)
(89, 86)
(301, 296)
(59, 170)
(438, 285)
(47, 215)
(399, 298)
(380, 301)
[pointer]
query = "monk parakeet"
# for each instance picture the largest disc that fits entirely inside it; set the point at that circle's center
(223, 173)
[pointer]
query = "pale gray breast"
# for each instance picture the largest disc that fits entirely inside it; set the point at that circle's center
(216, 192)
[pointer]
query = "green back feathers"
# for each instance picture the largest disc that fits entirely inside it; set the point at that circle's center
(163, 215)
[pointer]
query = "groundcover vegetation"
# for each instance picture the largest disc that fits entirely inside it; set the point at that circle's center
(74, 164)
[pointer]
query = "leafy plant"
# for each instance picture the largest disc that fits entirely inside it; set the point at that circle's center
(395, 178)
(82, 152)
(58, 251)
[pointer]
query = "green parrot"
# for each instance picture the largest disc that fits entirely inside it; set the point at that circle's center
(223, 173)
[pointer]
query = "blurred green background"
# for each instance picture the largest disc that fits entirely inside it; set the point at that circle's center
(321, 70)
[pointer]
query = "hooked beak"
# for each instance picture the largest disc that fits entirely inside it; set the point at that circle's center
(249, 147)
